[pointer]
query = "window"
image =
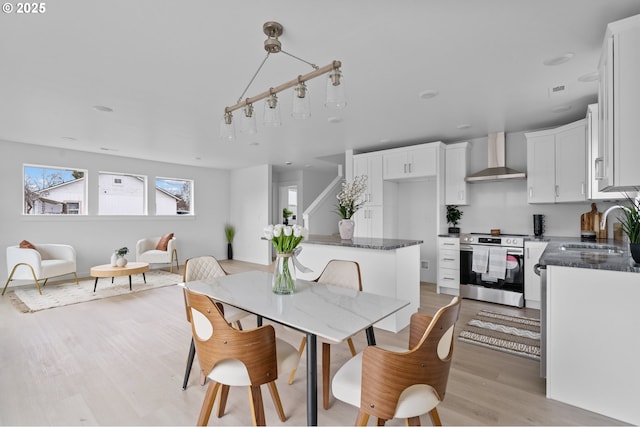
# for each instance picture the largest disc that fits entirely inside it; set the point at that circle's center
(122, 194)
(174, 196)
(50, 190)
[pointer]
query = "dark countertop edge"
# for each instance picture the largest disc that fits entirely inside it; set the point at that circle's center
(362, 242)
(554, 256)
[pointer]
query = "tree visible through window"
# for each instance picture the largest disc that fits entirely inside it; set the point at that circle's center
(174, 196)
(51, 190)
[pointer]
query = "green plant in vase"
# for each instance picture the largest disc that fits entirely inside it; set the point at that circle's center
(229, 234)
(454, 214)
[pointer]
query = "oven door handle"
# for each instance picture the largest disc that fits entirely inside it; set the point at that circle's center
(466, 248)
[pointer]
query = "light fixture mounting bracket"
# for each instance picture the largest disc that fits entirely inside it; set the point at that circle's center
(273, 30)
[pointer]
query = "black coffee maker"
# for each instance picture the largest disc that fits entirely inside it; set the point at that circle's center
(538, 225)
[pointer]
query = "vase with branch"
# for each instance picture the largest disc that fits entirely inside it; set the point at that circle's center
(350, 199)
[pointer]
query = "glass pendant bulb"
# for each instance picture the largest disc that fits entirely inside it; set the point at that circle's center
(249, 120)
(336, 97)
(272, 111)
(227, 131)
(300, 107)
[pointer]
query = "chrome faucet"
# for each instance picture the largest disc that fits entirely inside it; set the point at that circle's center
(636, 205)
(603, 221)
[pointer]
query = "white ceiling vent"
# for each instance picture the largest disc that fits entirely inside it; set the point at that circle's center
(558, 90)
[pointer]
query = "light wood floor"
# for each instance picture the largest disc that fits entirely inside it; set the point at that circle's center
(121, 360)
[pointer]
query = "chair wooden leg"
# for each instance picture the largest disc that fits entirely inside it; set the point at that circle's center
(76, 276)
(238, 325)
(207, 404)
(362, 418)
(435, 417)
(351, 346)
(222, 402)
(413, 421)
(326, 374)
(257, 406)
(381, 422)
(273, 389)
(174, 255)
(303, 343)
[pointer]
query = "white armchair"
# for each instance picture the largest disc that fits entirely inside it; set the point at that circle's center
(46, 261)
(146, 251)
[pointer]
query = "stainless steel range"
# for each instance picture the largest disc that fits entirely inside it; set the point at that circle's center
(492, 268)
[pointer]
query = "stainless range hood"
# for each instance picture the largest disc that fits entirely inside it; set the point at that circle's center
(496, 170)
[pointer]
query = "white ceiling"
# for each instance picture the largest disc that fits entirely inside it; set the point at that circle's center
(168, 69)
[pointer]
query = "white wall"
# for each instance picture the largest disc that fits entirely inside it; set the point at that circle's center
(250, 204)
(96, 237)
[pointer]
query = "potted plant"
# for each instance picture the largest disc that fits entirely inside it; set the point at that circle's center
(453, 218)
(286, 213)
(229, 234)
(630, 221)
(350, 199)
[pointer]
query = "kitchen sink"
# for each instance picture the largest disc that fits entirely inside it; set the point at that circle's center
(593, 249)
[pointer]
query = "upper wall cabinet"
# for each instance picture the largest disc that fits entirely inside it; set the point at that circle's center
(556, 164)
(370, 165)
(595, 161)
(619, 101)
(455, 171)
(410, 162)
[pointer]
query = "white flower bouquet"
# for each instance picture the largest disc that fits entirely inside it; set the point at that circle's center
(349, 199)
(285, 238)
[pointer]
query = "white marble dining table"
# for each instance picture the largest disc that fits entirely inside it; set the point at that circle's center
(314, 309)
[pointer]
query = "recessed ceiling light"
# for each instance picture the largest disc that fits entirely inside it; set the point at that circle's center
(254, 144)
(589, 77)
(463, 126)
(428, 94)
(108, 149)
(560, 59)
(334, 119)
(288, 163)
(69, 138)
(385, 140)
(561, 108)
(103, 109)
(198, 158)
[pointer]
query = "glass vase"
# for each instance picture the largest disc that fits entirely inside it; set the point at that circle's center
(284, 275)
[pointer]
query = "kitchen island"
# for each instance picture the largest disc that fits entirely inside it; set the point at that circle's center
(389, 267)
(592, 323)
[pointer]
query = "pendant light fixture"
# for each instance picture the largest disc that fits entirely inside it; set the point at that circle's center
(335, 96)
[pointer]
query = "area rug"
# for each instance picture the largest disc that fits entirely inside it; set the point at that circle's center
(498, 331)
(28, 300)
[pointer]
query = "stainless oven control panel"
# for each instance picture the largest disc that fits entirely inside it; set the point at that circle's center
(479, 239)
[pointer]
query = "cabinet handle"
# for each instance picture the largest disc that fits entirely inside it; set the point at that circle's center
(557, 191)
(449, 244)
(410, 167)
(598, 167)
(528, 254)
(461, 195)
(449, 278)
(448, 259)
(582, 188)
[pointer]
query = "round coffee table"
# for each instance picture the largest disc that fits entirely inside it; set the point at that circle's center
(106, 270)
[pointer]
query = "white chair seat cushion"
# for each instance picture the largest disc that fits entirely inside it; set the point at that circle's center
(56, 267)
(233, 372)
(155, 257)
(414, 401)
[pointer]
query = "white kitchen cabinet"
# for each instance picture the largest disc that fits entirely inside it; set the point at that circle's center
(370, 165)
(532, 252)
(369, 222)
(455, 171)
(448, 265)
(556, 164)
(619, 126)
(410, 162)
(595, 160)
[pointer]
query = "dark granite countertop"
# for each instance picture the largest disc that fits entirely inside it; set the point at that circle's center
(556, 253)
(361, 242)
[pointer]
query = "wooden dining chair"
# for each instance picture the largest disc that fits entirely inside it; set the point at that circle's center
(391, 382)
(199, 268)
(232, 357)
(345, 274)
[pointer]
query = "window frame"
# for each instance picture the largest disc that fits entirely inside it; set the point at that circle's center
(191, 211)
(82, 202)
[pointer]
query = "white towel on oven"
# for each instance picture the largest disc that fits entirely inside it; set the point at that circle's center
(497, 263)
(480, 259)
